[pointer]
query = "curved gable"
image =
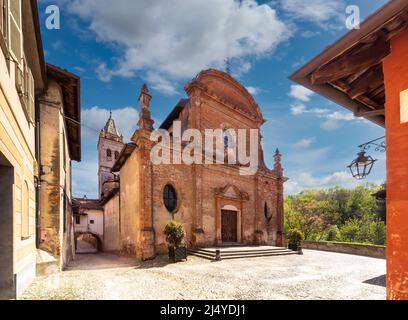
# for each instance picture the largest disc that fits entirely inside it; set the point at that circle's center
(224, 88)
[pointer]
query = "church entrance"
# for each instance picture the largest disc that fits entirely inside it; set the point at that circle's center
(229, 226)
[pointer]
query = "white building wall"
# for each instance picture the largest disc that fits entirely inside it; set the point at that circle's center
(86, 225)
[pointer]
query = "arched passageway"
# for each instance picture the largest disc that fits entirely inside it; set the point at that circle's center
(87, 242)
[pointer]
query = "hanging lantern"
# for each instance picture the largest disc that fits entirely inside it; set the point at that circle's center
(362, 166)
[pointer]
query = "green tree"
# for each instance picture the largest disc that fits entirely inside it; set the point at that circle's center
(338, 214)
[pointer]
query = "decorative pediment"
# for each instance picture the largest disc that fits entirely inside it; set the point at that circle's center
(231, 192)
(223, 88)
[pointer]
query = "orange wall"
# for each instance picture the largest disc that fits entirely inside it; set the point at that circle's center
(396, 80)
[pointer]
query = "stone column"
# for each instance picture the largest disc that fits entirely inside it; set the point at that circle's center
(145, 246)
(198, 233)
(280, 237)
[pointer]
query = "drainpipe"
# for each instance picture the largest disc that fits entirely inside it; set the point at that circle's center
(38, 180)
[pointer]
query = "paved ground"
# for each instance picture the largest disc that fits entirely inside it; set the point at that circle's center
(315, 275)
(85, 247)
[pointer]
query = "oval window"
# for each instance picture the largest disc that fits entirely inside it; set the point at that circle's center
(170, 198)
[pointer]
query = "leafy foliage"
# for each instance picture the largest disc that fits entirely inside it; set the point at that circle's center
(295, 237)
(174, 232)
(338, 214)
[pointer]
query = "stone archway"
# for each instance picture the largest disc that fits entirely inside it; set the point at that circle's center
(98, 240)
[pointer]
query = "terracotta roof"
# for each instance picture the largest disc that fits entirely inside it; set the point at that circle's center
(174, 114)
(124, 155)
(110, 195)
(349, 72)
(90, 204)
(71, 94)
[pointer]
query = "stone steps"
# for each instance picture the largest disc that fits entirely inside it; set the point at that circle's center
(46, 264)
(240, 254)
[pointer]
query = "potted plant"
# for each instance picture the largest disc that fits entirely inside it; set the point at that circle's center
(174, 232)
(295, 238)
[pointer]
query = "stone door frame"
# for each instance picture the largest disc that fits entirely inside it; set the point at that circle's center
(231, 208)
(225, 201)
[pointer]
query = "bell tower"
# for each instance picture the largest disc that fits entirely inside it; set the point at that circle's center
(109, 147)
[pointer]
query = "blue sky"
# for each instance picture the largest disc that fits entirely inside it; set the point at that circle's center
(115, 49)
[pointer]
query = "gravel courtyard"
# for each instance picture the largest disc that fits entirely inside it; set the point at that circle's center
(315, 275)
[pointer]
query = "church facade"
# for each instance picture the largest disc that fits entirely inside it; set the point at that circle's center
(216, 203)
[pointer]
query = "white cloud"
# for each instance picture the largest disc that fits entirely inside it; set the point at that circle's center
(300, 93)
(177, 39)
(305, 180)
(309, 34)
(85, 179)
(332, 120)
(253, 90)
(298, 109)
(325, 13)
(94, 119)
(160, 83)
(330, 125)
(303, 143)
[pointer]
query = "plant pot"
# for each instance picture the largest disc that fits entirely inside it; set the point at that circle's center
(294, 246)
(177, 254)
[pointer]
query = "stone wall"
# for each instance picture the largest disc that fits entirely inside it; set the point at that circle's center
(111, 234)
(129, 205)
(350, 248)
(57, 236)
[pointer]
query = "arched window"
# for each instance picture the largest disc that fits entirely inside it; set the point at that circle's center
(170, 198)
(109, 153)
(116, 155)
(229, 141)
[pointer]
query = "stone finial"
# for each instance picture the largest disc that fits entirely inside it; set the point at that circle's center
(145, 98)
(145, 119)
(278, 166)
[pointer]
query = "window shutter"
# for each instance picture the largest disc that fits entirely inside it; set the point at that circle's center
(3, 17)
(20, 77)
(15, 29)
(31, 96)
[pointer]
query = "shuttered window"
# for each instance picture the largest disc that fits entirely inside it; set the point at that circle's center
(3, 18)
(30, 92)
(15, 30)
(4, 27)
(25, 214)
(26, 88)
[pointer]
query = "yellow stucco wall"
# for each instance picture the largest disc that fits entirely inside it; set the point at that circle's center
(111, 234)
(17, 145)
(129, 204)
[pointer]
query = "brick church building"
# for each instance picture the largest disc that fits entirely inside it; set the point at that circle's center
(215, 203)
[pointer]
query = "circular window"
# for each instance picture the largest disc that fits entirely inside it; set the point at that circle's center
(170, 198)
